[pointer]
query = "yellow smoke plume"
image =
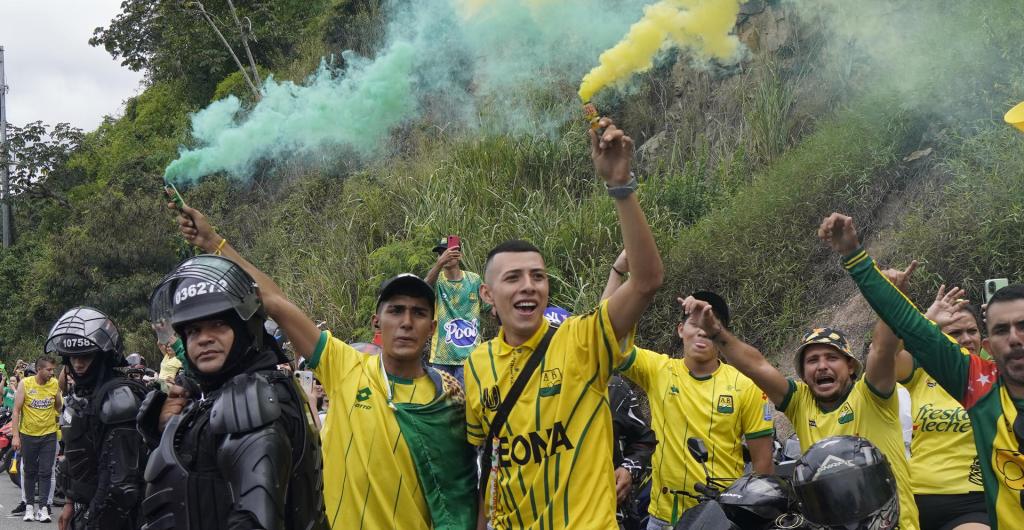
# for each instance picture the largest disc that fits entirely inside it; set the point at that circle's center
(701, 26)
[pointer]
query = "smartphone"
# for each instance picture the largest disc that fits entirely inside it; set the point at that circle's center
(454, 242)
(305, 378)
(992, 285)
(172, 192)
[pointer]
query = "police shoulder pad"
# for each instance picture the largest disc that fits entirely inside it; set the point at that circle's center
(120, 404)
(245, 403)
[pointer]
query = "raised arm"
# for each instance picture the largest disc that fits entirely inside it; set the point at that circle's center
(612, 153)
(744, 357)
(881, 370)
(938, 354)
(616, 275)
(301, 330)
(446, 256)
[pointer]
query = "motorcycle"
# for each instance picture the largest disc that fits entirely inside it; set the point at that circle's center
(750, 502)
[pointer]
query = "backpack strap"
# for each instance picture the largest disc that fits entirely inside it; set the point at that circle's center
(501, 415)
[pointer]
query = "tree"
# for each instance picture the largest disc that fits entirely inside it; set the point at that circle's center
(38, 159)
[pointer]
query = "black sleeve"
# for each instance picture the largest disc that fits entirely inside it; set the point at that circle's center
(257, 465)
(637, 437)
(119, 477)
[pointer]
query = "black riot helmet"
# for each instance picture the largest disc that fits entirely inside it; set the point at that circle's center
(845, 482)
(86, 331)
(207, 288)
(755, 501)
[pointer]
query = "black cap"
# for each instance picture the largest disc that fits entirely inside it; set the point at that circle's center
(441, 246)
(717, 303)
(406, 284)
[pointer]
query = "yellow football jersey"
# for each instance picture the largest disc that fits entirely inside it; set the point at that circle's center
(721, 408)
(370, 480)
(39, 413)
(863, 413)
(555, 451)
(944, 459)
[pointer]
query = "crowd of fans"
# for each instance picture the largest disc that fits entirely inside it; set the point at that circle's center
(259, 417)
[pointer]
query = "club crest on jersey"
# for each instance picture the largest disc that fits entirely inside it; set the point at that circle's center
(845, 414)
(459, 332)
(550, 382)
(491, 398)
(725, 404)
(1010, 468)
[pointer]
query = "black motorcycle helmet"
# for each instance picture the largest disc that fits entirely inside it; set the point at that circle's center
(755, 501)
(845, 483)
(86, 331)
(207, 288)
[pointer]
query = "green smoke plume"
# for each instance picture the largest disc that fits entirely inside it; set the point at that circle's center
(512, 65)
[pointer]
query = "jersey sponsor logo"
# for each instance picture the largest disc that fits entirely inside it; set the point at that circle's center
(931, 383)
(533, 447)
(845, 414)
(974, 475)
(491, 398)
(725, 404)
(555, 315)
(812, 423)
(41, 403)
(550, 382)
(363, 394)
(1010, 467)
(459, 332)
(932, 419)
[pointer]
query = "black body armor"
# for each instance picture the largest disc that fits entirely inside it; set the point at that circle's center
(103, 456)
(244, 456)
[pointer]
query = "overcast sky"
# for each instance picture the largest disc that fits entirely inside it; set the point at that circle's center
(53, 74)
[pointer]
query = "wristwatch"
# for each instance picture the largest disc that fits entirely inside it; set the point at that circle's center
(623, 191)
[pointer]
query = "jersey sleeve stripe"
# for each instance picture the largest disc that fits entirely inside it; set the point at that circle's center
(758, 434)
(314, 360)
(629, 361)
(789, 396)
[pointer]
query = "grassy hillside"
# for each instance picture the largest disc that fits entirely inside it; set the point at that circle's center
(747, 163)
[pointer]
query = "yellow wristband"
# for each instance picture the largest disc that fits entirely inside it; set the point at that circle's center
(220, 247)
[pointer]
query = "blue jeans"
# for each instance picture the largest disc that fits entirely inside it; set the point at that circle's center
(455, 370)
(657, 524)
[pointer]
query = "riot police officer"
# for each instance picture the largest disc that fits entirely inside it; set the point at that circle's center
(104, 455)
(243, 453)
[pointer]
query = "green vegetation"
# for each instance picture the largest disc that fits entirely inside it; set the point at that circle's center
(748, 163)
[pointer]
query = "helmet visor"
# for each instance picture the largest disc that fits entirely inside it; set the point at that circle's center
(848, 496)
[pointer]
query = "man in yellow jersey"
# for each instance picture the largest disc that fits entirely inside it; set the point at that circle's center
(831, 398)
(696, 396)
(944, 469)
(550, 464)
(991, 391)
(37, 403)
(394, 447)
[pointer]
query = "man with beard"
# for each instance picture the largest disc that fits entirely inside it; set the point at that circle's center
(992, 392)
(239, 449)
(831, 397)
(104, 456)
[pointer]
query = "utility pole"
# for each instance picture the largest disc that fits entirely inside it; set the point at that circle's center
(5, 189)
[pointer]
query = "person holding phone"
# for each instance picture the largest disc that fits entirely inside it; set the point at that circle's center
(457, 308)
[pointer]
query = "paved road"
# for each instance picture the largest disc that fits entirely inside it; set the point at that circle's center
(10, 496)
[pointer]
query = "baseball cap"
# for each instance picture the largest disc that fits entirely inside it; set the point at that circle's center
(441, 246)
(406, 284)
(717, 303)
(828, 336)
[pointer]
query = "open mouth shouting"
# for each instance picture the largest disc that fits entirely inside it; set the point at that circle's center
(526, 308)
(825, 381)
